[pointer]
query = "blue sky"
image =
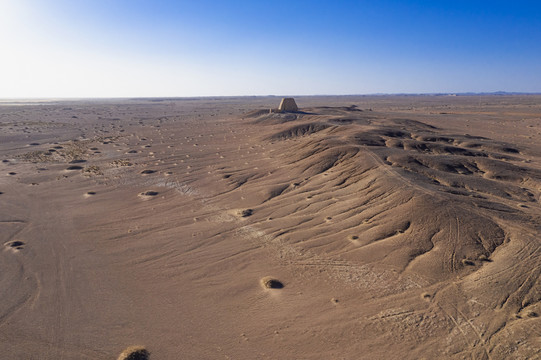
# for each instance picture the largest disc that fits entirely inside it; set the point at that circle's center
(118, 48)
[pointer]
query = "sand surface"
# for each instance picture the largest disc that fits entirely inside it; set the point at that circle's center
(358, 228)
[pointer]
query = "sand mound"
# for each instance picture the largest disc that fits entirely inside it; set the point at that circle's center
(271, 283)
(15, 244)
(134, 353)
(89, 194)
(299, 130)
(246, 212)
(145, 195)
(74, 167)
(418, 204)
(274, 118)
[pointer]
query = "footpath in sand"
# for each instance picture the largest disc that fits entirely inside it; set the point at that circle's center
(355, 228)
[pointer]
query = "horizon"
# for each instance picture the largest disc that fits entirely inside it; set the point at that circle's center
(72, 49)
(442, 94)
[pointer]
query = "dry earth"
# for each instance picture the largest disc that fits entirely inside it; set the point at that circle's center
(357, 228)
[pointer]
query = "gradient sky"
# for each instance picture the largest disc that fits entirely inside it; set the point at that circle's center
(140, 48)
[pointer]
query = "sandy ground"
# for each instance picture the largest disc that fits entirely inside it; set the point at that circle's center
(392, 227)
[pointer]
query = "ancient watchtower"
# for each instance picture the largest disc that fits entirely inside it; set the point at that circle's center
(288, 104)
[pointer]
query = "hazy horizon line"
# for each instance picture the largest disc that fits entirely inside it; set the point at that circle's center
(466, 93)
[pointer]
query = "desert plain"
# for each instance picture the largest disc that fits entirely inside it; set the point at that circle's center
(359, 227)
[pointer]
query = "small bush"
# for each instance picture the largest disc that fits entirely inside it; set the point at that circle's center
(134, 353)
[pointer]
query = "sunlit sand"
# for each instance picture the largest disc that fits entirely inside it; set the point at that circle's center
(356, 227)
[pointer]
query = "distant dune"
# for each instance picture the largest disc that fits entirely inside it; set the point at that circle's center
(356, 227)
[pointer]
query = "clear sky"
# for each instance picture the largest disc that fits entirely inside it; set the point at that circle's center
(120, 48)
